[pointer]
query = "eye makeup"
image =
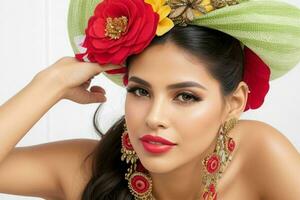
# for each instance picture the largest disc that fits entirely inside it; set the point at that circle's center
(187, 97)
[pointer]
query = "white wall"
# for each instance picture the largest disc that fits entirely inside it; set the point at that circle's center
(33, 35)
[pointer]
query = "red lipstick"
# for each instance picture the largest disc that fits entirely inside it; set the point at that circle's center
(155, 144)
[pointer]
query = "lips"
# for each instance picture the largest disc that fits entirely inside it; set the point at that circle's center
(155, 144)
(156, 140)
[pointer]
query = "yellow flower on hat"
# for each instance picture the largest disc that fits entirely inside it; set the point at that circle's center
(165, 24)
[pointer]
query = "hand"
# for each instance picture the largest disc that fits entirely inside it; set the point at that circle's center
(75, 77)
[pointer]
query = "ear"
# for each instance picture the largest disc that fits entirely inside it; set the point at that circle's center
(236, 102)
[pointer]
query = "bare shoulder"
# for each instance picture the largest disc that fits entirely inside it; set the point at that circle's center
(75, 164)
(271, 161)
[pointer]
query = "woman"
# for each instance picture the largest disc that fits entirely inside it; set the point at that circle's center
(179, 137)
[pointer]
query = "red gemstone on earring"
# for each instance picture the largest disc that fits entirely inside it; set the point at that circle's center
(211, 193)
(215, 196)
(230, 144)
(212, 188)
(126, 142)
(205, 195)
(213, 163)
(140, 184)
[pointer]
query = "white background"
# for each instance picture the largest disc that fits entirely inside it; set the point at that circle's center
(33, 35)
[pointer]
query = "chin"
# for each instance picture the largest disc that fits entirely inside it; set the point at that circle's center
(158, 165)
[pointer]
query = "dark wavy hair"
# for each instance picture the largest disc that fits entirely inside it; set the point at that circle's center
(224, 57)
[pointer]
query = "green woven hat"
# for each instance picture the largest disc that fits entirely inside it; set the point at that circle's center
(269, 28)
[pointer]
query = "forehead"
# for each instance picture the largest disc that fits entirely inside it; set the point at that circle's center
(166, 63)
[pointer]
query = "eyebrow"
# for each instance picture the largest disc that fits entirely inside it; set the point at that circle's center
(169, 87)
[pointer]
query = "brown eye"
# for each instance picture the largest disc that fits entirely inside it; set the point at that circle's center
(188, 98)
(141, 91)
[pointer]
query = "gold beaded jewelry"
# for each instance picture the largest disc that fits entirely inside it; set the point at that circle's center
(139, 179)
(214, 164)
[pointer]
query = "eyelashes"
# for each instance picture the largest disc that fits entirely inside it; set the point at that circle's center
(186, 98)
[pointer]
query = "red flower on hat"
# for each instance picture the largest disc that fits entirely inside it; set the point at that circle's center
(257, 77)
(118, 29)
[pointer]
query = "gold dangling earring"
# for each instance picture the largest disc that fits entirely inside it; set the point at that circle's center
(139, 180)
(215, 163)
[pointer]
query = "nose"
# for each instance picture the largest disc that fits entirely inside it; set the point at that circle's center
(157, 114)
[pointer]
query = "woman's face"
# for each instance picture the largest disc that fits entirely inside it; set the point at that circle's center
(189, 116)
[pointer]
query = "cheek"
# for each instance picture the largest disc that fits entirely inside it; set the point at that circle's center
(134, 112)
(199, 126)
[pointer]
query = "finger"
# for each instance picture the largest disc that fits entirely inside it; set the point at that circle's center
(97, 68)
(89, 80)
(86, 84)
(86, 97)
(97, 89)
(111, 66)
(101, 68)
